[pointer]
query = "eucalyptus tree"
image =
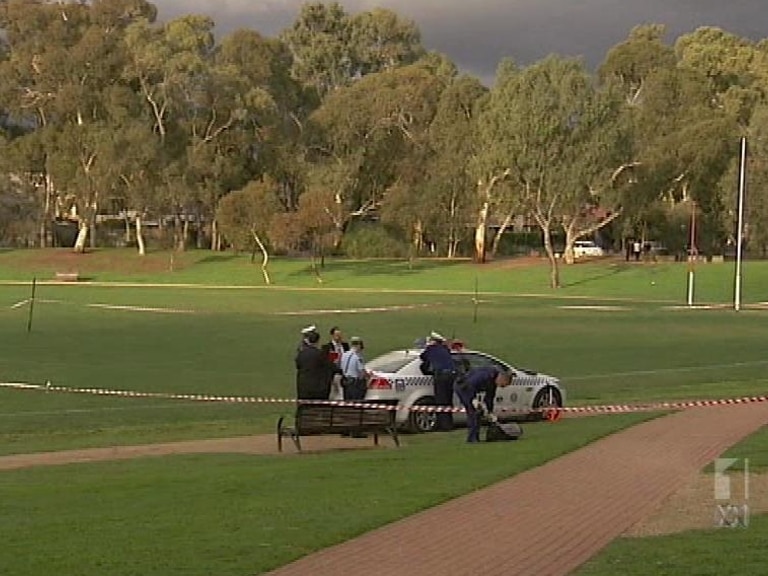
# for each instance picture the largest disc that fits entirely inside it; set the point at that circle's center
(62, 63)
(684, 118)
(362, 135)
(246, 216)
(448, 196)
(332, 48)
(559, 138)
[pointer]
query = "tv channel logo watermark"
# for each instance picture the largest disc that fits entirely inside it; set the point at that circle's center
(731, 496)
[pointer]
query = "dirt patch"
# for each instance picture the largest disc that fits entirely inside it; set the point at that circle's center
(95, 262)
(694, 507)
(263, 444)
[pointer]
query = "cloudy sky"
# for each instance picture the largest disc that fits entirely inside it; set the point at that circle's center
(476, 34)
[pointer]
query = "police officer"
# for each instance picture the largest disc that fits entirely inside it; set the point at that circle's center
(482, 379)
(305, 332)
(312, 369)
(438, 361)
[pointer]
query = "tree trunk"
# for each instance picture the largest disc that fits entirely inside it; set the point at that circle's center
(184, 235)
(92, 230)
(485, 188)
(480, 231)
(450, 251)
(417, 241)
(570, 238)
(199, 235)
(315, 268)
(82, 236)
(214, 235)
(554, 271)
(127, 237)
(265, 258)
(46, 219)
(140, 237)
(500, 232)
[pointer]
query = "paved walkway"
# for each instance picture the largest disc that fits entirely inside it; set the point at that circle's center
(549, 520)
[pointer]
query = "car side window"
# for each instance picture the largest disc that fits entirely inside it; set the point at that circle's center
(475, 361)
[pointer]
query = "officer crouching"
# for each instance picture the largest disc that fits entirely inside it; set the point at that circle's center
(485, 379)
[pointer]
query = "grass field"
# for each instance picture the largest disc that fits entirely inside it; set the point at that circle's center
(613, 278)
(236, 515)
(241, 341)
(720, 552)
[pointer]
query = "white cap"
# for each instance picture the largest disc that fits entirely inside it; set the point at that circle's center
(309, 329)
(436, 336)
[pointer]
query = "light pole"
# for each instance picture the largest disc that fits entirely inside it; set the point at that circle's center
(692, 252)
(739, 234)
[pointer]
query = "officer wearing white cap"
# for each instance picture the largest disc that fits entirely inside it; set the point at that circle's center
(438, 361)
(305, 333)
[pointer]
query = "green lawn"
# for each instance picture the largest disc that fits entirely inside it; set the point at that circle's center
(204, 514)
(714, 552)
(611, 278)
(755, 449)
(238, 515)
(238, 343)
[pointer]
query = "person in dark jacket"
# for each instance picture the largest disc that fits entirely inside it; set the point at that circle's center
(312, 370)
(305, 332)
(438, 361)
(482, 379)
(336, 346)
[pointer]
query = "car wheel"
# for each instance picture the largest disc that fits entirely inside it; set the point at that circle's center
(547, 397)
(420, 421)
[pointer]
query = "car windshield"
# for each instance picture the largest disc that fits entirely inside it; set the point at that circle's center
(392, 362)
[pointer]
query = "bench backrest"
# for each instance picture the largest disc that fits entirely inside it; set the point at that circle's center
(315, 417)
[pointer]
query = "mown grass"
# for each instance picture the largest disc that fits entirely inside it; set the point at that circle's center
(237, 343)
(610, 278)
(714, 552)
(238, 515)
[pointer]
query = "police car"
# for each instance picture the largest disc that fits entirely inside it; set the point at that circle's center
(397, 376)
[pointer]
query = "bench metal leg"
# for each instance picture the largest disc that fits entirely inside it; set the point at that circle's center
(394, 436)
(280, 434)
(296, 440)
(376, 439)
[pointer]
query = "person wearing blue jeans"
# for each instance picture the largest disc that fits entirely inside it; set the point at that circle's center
(483, 379)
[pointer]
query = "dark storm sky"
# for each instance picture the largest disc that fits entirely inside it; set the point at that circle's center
(476, 34)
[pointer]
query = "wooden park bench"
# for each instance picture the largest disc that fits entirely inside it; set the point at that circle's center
(67, 276)
(318, 419)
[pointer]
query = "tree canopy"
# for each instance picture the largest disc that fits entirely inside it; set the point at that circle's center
(345, 121)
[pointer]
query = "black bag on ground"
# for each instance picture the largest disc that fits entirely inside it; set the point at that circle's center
(498, 432)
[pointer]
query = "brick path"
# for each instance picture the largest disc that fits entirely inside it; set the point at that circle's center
(549, 520)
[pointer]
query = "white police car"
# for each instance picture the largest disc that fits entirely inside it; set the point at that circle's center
(397, 376)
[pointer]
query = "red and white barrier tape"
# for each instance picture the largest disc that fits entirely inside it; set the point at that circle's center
(551, 413)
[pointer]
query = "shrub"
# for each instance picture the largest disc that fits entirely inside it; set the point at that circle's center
(372, 241)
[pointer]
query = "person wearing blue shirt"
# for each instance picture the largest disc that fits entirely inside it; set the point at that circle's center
(481, 379)
(437, 360)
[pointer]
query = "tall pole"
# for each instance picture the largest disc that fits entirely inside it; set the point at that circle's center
(31, 305)
(692, 253)
(740, 225)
